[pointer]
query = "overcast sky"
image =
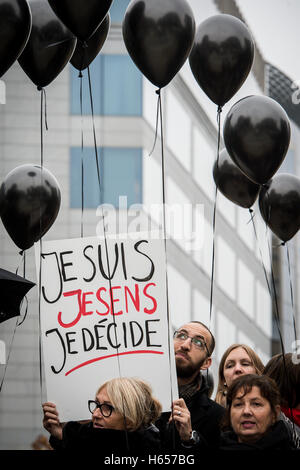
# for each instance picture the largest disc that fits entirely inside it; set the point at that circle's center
(275, 25)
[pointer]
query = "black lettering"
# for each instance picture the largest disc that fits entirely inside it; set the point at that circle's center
(97, 337)
(91, 339)
(60, 280)
(69, 341)
(94, 266)
(148, 333)
(123, 261)
(108, 336)
(150, 275)
(108, 276)
(55, 330)
(63, 265)
(133, 337)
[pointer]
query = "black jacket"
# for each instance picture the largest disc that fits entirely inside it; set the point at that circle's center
(276, 439)
(103, 442)
(205, 416)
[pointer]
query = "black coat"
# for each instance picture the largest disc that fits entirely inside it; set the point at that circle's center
(103, 442)
(205, 416)
(277, 438)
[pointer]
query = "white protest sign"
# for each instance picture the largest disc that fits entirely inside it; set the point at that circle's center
(94, 329)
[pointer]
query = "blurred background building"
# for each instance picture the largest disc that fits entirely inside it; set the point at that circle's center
(125, 121)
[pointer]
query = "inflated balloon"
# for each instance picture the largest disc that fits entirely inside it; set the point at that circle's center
(29, 203)
(257, 136)
(50, 45)
(279, 204)
(13, 290)
(159, 36)
(232, 183)
(82, 17)
(84, 54)
(222, 56)
(15, 27)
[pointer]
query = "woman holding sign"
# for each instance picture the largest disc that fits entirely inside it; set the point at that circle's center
(123, 414)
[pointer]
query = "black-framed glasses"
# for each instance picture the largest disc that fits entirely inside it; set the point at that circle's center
(197, 341)
(105, 409)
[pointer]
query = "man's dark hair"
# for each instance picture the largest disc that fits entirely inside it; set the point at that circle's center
(212, 344)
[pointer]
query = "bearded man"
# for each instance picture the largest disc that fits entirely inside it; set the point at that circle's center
(194, 415)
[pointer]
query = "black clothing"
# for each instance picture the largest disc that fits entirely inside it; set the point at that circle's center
(79, 437)
(276, 439)
(205, 416)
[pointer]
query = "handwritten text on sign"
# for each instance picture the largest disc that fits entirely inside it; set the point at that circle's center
(101, 320)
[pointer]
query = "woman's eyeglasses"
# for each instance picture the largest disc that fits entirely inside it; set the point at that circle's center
(105, 409)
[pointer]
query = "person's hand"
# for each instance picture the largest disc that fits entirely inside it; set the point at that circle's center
(182, 419)
(51, 420)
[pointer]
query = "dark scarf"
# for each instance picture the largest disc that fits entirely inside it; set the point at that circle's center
(188, 391)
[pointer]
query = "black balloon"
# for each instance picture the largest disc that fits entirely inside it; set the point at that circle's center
(13, 289)
(50, 45)
(279, 204)
(257, 136)
(222, 56)
(29, 203)
(82, 17)
(84, 54)
(158, 36)
(232, 183)
(15, 27)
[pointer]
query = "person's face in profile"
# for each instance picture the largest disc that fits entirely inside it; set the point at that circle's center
(251, 415)
(106, 417)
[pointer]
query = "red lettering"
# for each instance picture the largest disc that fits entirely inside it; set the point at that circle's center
(98, 295)
(146, 310)
(120, 312)
(84, 303)
(135, 300)
(69, 294)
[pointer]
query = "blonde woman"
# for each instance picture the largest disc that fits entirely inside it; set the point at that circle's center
(237, 360)
(123, 416)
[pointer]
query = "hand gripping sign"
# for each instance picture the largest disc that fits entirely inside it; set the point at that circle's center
(98, 322)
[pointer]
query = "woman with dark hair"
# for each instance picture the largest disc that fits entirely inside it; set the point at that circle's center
(252, 416)
(286, 374)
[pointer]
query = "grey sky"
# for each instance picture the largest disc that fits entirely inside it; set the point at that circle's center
(275, 25)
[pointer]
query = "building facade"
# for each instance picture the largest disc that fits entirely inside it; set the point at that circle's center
(125, 105)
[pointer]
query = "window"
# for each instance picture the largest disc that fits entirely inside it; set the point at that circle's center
(116, 87)
(117, 10)
(120, 174)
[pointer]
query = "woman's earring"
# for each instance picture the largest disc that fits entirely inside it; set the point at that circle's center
(224, 390)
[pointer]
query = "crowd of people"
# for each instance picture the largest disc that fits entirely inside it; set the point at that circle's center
(256, 407)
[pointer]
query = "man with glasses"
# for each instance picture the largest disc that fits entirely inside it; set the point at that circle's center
(194, 413)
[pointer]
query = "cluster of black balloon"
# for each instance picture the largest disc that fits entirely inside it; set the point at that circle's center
(43, 36)
(256, 137)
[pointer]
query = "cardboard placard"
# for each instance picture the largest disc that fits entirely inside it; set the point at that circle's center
(94, 328)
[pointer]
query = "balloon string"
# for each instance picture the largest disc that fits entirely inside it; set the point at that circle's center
(291, 291)
(214, 219)
(105, 242)
(82, 165)
(277, 317)
(43, 95)
(165, 247)
(157, 119)
(24, 298)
